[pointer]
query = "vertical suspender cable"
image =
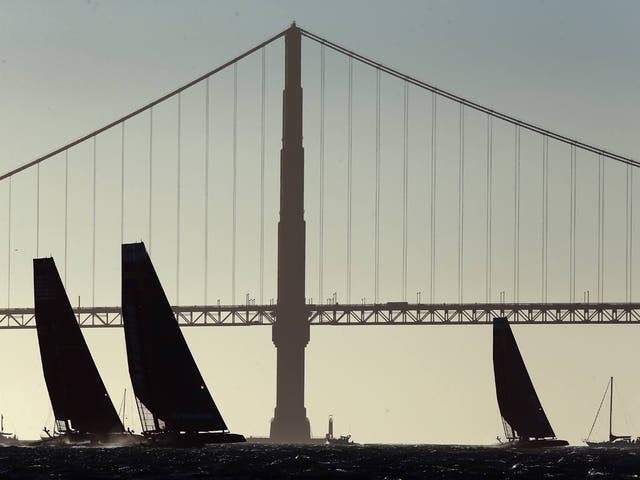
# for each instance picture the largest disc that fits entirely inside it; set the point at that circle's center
(122, 185)
(516, 219)
(179, 168)
(377, 199)
(545, 196)
(405, 190)
(489, 206)
(37, 210)
(630, 240)
(349, 173)
(151, 177)
(461, 210)
(599, 252)
(572, 229)
(546, 219)
(263, 97)
(627, 279)
(321, 209)
(93, 227)
(66, 212)
(235, 182)
(207, 120)
(434, 100)
(9, 247)
(601, 173)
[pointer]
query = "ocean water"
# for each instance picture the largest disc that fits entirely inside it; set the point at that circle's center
(316, 462)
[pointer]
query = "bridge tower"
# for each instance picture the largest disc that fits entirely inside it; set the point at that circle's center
(291, 331)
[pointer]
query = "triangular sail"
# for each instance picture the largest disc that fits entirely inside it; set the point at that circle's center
(78, 396)
(165, 378)
(519, 404)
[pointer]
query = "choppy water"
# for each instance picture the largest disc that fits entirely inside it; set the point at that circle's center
(359, 462)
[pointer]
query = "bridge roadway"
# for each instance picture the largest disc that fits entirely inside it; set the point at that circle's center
(391, 313)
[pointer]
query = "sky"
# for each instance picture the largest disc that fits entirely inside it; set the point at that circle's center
(569, 66)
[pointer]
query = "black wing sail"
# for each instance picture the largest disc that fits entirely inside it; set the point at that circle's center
(519, 404)
(78, 396)
(165, 378)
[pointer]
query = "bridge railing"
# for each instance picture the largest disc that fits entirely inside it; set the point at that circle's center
(392, 313)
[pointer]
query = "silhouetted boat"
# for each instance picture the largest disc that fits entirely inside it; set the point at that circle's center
(84, 414)
(7, 439)
(341, 440)
(524, 421)
(175, 406)
(615, 441)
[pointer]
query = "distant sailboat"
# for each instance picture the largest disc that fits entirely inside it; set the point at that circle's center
(174, 403)
(524, 421)
(82, 408)
(616, 441)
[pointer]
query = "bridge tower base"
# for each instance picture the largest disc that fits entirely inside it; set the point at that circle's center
(290, 333)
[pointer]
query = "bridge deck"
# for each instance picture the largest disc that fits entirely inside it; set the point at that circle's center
(392, 313)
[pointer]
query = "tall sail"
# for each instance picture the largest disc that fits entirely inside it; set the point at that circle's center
(78, 396)
(169, 388)
(519, 404)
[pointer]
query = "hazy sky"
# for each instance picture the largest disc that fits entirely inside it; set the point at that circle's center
(570, 66)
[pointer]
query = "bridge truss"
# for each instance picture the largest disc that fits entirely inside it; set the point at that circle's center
(395, 313)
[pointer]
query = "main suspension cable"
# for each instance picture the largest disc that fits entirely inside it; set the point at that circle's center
(144, 108)
(468, 103)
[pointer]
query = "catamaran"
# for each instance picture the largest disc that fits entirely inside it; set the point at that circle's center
(174, 403)
(523, 419)
(616, 441)
(84, 414)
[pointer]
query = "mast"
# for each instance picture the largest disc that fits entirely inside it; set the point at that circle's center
(611, 411)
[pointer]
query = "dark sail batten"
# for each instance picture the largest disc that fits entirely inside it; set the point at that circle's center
(78, 396)
(165, 377)
(517, 399)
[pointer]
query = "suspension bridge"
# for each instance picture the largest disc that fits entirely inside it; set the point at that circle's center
(414, 191)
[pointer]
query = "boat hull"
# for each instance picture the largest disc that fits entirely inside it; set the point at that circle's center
(536, 443)
(91, 440)
(191, 439)
(614, 445)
